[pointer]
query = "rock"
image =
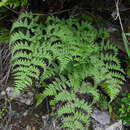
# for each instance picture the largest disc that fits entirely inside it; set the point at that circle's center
(116, 126)
(49, 123)
(26, 98)
(21, 97)
(28, 127)
(101, 117)
(25, 113)
(97, 126)
(10, 92)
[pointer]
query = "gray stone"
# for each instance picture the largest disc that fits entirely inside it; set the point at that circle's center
(97, 126)
(21, 97)
(25, 113)
(11, 93)
(116, 126)
(101, 117)
(101, 121)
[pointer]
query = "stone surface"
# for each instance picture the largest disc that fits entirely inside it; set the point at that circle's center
(101, 121)
(116, 126)
(10, 92)
(101, 117)
(97, 126)
(21, 97)
(26, 98)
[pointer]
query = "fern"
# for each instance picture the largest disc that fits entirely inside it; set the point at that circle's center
(87, 60)
(69, 92)
(28, 58)
(72, 45)
(4, 35)
(13, 3)
(64, 56)
(114, 74)
(74, 110)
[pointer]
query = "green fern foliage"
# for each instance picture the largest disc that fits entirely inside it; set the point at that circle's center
(71, 106)
(73, 45)
(28, 58)
(66, 57)
(80, 47)
(114, 77)
(4, 35)
(13, 3)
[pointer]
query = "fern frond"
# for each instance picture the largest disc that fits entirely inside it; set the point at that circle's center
(114, 72)
(81, 104)
(13, 4)
(66, 109)
(4, 35)
(21, 36)
(27, 56)
(65, 96)
(77, 109)
(21, 46)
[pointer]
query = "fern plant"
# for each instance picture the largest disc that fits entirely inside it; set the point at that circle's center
(4, 35)
(67, 58)
(114, 75)
(81, 87)
(13, 3)
(71, 94)
(73, 111)
(80, 47)
(29, 57)
(73, 45)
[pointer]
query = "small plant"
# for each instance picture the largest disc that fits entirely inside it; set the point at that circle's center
(67, 59)
(4, 35)
(3, 112)
(13, 3)
(124, 109)
(126, 43)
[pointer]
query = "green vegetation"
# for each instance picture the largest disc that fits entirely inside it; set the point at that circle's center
(3, 112)
(61, 51)
(13, 3)
(124, 109)
(67, 57)
(126, 43)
